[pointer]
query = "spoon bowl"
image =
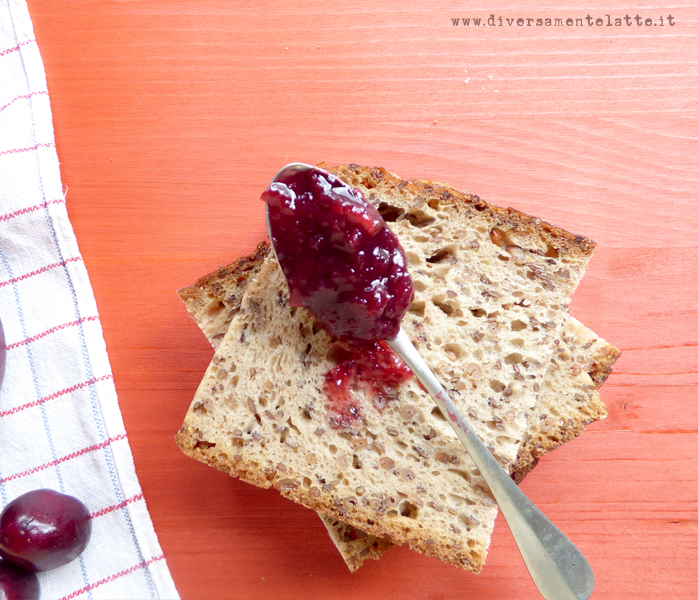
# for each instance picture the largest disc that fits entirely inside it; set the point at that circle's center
(291, 169)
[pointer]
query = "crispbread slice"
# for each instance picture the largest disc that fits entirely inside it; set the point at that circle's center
(559, 415)
(563, 411)
(215, 298)
(492, 287)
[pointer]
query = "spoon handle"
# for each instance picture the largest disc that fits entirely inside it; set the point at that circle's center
(557, 567)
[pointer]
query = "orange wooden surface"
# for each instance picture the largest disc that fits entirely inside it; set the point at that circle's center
(170, 118)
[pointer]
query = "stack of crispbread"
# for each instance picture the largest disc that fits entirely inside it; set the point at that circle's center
(489, 316)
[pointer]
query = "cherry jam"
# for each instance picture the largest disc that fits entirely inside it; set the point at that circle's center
(340, 259)
(371, 368)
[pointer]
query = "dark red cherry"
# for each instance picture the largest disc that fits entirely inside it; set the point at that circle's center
(17, 584)
(44, 529)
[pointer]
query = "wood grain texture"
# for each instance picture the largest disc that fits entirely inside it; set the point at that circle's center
(170, 118)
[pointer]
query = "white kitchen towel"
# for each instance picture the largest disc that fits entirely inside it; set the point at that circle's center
(60, 424)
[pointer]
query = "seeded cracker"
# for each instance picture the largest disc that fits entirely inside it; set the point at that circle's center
(492, 287)
(565, 404)
(559, 414)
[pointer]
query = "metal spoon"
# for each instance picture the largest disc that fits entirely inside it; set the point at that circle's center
(557, 567)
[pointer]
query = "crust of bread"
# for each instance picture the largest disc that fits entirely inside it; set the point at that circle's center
(510, 228)
(539, 233)
(355, 545)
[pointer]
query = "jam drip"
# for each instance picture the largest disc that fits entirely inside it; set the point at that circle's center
(370, 370)
(340, 259)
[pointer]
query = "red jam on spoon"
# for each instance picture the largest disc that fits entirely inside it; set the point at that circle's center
(340, 259)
